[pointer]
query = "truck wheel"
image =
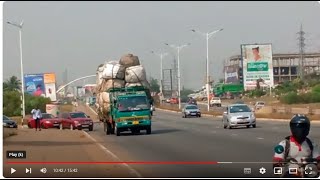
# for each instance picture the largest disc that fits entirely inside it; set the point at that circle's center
(108, 128)
(116, 131)
(148, 130)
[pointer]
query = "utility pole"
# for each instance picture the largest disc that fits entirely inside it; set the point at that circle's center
(301, 51)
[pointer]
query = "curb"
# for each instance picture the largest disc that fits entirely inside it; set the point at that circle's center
(260, 119)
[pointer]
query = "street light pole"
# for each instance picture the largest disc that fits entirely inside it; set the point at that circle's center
(207, 35)
(179, 48)
(162, 55)
(21, 65)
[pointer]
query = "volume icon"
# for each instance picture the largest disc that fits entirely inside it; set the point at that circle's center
(43, 170)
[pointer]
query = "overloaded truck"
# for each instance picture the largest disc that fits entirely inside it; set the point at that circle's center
(123, 96)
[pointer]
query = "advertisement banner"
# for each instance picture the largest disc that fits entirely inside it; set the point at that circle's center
(49, 78)
(34, 84)
(231, 74)
(51, 91)
(257, 63)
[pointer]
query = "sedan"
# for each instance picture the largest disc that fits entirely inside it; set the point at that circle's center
(47, 121)
(8, 123)
(191, 110)
(238, 115)
(76, 120)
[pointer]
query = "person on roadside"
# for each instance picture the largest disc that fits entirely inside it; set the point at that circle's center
(37, 116)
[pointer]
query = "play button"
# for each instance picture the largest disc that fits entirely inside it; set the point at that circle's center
(13, 170)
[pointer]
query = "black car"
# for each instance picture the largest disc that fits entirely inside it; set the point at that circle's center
(8, 123)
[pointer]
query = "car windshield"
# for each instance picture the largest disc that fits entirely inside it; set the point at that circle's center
(191, 107)
(47, 116)
(5, 118)
(78, 115)
(133, 103)
(239, 109)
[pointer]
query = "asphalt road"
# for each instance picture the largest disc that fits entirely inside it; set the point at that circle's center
(175, 139)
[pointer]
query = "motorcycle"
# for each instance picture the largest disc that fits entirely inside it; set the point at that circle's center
(307, 168)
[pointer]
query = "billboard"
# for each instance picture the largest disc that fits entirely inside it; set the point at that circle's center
(257, 63)
(41, 85)
(34, 84)
(231, 74)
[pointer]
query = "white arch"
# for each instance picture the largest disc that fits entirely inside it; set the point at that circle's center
(84, 77)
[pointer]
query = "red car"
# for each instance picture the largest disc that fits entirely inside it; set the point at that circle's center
(47, 121)
(76, 120)
(174, 101)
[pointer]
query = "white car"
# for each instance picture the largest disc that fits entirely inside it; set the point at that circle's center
(238, 115)
(215, 101)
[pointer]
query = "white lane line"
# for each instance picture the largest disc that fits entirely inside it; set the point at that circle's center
(132, 171)
(234, 134)
(260, 138)
(92, 110)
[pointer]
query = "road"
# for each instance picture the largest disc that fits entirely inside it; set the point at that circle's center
(198, 139)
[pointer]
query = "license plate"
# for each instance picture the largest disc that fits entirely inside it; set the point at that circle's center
(11, 126)
(85, 125)
(135, 122)
(56, 125)
(193, 113)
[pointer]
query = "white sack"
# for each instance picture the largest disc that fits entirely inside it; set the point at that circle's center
(113, 70)
(135, 74)
(129, 60)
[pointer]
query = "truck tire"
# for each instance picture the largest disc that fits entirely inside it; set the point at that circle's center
(116, 131)
(148, 130)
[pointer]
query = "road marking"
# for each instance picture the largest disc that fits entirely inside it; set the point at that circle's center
(92, 110)
(234, 134)
(260, 138)
(214, 132)
(132, 171)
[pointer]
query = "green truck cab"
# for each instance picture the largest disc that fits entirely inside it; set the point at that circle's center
(129, 110)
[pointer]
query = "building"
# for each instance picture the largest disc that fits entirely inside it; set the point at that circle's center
(285, 67)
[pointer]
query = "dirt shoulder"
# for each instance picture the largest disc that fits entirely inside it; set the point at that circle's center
(51, 145)
(84, 108)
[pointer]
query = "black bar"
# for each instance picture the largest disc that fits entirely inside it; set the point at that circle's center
(16, 154)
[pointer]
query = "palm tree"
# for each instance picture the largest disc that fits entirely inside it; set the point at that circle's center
(12, 84)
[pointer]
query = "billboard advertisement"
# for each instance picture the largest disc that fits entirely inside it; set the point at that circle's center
(257, 63)
(231, 74)
(41, 85)
(34, 84)
(51, 91)
(50, 85)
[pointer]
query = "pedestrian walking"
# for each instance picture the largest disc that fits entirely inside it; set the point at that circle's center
(37, 116)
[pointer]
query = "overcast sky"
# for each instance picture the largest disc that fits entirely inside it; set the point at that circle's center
(81, 35)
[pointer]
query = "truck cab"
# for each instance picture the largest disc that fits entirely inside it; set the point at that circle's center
(130, 110)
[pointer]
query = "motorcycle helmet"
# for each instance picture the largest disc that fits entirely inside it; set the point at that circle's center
(300, 127)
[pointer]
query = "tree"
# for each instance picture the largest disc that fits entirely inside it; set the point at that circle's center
(12, 84)
(154, 85)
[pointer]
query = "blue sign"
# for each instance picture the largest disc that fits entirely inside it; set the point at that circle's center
(34, 84)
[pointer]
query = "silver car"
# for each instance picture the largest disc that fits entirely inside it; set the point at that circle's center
(238, 115)
(191, 110)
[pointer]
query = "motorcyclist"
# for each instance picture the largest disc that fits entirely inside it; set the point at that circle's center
(297, 146)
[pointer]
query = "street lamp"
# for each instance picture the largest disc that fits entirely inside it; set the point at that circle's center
(179, 48)
(208, 35)
(21, 64)
(162, 55)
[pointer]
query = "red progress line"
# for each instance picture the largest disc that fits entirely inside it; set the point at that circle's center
(124, 162)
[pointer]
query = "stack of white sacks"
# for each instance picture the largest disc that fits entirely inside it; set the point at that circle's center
(126, 73)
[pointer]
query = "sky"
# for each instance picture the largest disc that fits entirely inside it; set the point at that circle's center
(78, 36)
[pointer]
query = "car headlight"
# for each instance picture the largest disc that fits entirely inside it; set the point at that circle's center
(252, 116)
(76, 122)
(47, 121)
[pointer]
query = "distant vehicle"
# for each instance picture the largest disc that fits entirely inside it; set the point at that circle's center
(215, 101)
(259, 105)
(221, 90)
(9, 123)
(238, 115)
(174, 101)
(192, 101)
(76, 120)
(47, 121)
(191, 110)
(168, 100)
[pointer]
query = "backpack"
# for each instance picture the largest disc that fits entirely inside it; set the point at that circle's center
(287, 148)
